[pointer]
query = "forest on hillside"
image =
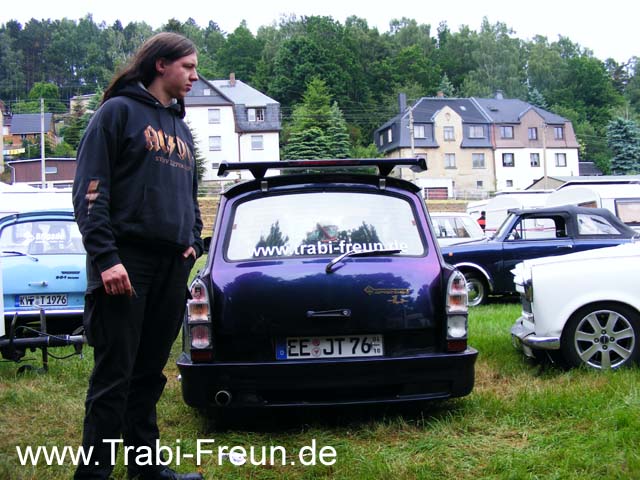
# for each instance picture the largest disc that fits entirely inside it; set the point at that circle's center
(363, 69)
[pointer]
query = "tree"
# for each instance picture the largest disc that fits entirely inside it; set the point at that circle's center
(500, 63)
(239, 54)
(51, 95)
(454, 53)
(337, 134)
(318, 128)
(410, 65)
(318, 51)
(309, 144)
(315, 109)
(446, 87)
(11, 75)
(632, 89)
(76, 126)
(623, 138)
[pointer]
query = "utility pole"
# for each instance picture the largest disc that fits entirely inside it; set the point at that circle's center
(544, 153)
(42, 158)
(412, 140)
(2, 140)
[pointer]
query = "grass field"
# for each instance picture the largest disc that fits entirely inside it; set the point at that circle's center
(522, 421)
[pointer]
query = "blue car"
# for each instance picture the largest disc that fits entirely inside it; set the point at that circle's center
(532, 233)
(43, 268)
(324, 288)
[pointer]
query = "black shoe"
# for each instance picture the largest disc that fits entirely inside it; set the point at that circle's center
(166, 474)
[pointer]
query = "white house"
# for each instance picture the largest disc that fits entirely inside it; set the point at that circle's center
(232, 122)
(529, 142)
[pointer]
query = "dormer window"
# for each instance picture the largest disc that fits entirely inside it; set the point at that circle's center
(256, 114)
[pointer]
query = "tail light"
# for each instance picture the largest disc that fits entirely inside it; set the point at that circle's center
(457, 313)
(200, 341)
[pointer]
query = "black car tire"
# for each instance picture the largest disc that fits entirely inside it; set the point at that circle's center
(602, 336)
(477, 289)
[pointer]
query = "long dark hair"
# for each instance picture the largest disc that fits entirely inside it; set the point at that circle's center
(142, 66)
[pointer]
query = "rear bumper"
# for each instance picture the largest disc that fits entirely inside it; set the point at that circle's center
(525, 339)
(35, 312)
(329, 382)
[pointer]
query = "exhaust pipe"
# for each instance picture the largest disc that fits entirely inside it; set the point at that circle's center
(222, 398)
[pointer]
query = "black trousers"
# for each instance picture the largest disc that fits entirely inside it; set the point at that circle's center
(131, 339)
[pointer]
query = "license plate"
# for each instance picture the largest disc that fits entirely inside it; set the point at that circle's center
(52, 300)
(342, 346)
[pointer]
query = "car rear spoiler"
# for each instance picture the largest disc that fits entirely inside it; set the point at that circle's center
(384, 165)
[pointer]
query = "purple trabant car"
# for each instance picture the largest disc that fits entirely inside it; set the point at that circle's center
(324, 288)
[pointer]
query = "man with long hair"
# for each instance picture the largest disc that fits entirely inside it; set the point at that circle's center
(135, 201)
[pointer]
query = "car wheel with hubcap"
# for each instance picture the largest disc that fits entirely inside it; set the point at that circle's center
(602, 336)
(476, 289)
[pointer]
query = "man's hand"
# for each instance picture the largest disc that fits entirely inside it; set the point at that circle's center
(189, 251)
(116, 281)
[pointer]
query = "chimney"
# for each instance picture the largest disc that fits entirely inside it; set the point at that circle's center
(440, 94)
(232, 79)
(499, 95)
(402, 102)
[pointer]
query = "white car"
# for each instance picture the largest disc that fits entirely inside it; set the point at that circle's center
(582, 308)
(455, 227)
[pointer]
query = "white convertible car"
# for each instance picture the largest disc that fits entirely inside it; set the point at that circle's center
(582, 308)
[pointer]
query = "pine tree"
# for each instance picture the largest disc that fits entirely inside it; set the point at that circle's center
(623, 138)
(308, 144)
(77, 124)
(446, 87)
(337, 134)
(318, 129)
(534, 97)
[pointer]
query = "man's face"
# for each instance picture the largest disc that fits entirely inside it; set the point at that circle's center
(178, 76)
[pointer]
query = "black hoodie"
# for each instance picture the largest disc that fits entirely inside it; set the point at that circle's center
(136, 180)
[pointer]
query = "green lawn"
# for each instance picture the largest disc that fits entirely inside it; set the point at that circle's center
(521, 421)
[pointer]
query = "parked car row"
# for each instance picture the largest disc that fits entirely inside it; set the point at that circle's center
(329, 288)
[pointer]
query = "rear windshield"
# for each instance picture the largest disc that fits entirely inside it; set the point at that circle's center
(42, 237)
(322, 223)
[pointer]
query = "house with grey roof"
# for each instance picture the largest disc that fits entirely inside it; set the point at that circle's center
(482, 145)
(27, 126)
(453, 134)
(232, 122)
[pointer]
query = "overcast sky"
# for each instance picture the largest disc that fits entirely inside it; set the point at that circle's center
(609, 28)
